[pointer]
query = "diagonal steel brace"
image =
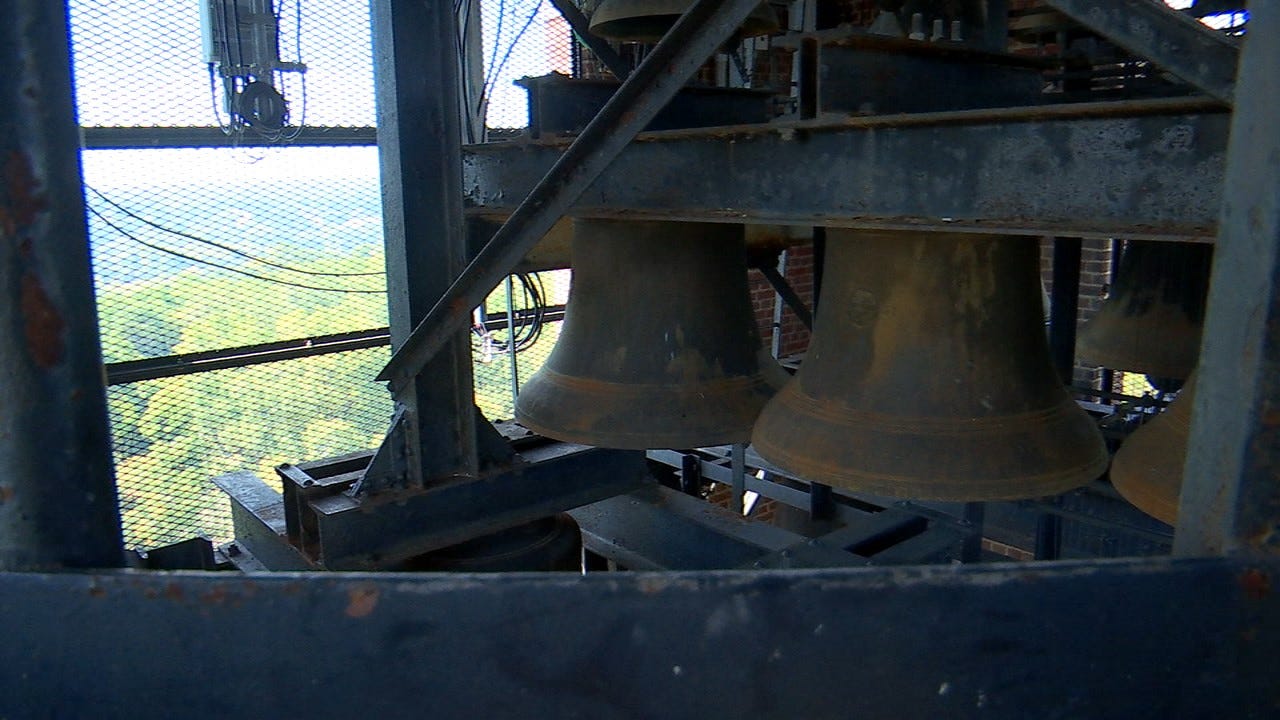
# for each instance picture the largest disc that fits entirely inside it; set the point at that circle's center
(1202, 57)
(695, 36)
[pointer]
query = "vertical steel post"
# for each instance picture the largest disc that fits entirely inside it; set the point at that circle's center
(1064, 306)
(57, 489)
(511, 341)
(738, 488)
(420, 149)
(1231, 488)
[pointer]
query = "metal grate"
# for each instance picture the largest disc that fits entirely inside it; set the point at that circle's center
(202, 249)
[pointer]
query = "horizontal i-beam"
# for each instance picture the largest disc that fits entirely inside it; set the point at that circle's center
(1139, 169)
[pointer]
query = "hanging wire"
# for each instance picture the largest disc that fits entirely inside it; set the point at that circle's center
(220, 246)
(238, 271)
(528, 321)
(494, 73)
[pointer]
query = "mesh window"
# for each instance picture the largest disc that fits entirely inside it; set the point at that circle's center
(211, 250)
(202, 249)
(522, 38)
(174, 435)
(139, 63)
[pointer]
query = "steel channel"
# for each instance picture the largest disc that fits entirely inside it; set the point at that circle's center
(1134, 638)
(420, 140)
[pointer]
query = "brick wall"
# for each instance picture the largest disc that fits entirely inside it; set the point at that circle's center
(794, 336)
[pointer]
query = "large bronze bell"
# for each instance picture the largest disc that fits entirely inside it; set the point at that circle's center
(1151, 323)
(658, 347)
(928, 376)
(1147, 469)
(648, 20)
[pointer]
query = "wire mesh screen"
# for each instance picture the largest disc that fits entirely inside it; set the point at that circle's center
(203, 249)
(522, 38)
(173, 435)
(140, 63)
(219, 251)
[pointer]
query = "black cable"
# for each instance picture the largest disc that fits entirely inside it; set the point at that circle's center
(238, 271)
(527, 322)
(494, 73)
(221, 246)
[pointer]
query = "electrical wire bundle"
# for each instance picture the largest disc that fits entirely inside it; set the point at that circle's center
(525, 323)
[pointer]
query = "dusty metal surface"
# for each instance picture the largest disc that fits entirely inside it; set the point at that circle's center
(658, 348)
(1204, 58)
(1148, 169)
(929, 377)
(1063, 640)
(57, 487)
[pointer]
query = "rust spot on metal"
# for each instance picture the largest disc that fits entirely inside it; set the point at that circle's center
(6, 493)
(1256, 584)
(24, 200)
(42, 324)
(173, 591)
(216, 596)
(652, 585)
(361, 601)
(97, 591)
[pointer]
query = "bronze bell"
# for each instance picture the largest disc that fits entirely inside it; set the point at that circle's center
(658, 347)
(1147, 469)
(648, 20)
(928, 376)
(1151, 323)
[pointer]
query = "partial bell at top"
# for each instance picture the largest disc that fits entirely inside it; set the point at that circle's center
(649, 20)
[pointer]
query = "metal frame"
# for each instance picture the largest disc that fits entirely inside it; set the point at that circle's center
(1177, 637)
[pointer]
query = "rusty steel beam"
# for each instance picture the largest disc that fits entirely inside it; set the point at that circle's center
(57, 488)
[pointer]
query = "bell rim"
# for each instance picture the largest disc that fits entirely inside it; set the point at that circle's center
(938, 487)
(751, 392)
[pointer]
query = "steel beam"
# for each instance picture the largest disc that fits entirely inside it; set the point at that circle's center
(1231, 492)
(1096, 640)
(1145, 170)
(1204, 58)
(57, 488)
(154, 138)
(703, 28)
(420, 138)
